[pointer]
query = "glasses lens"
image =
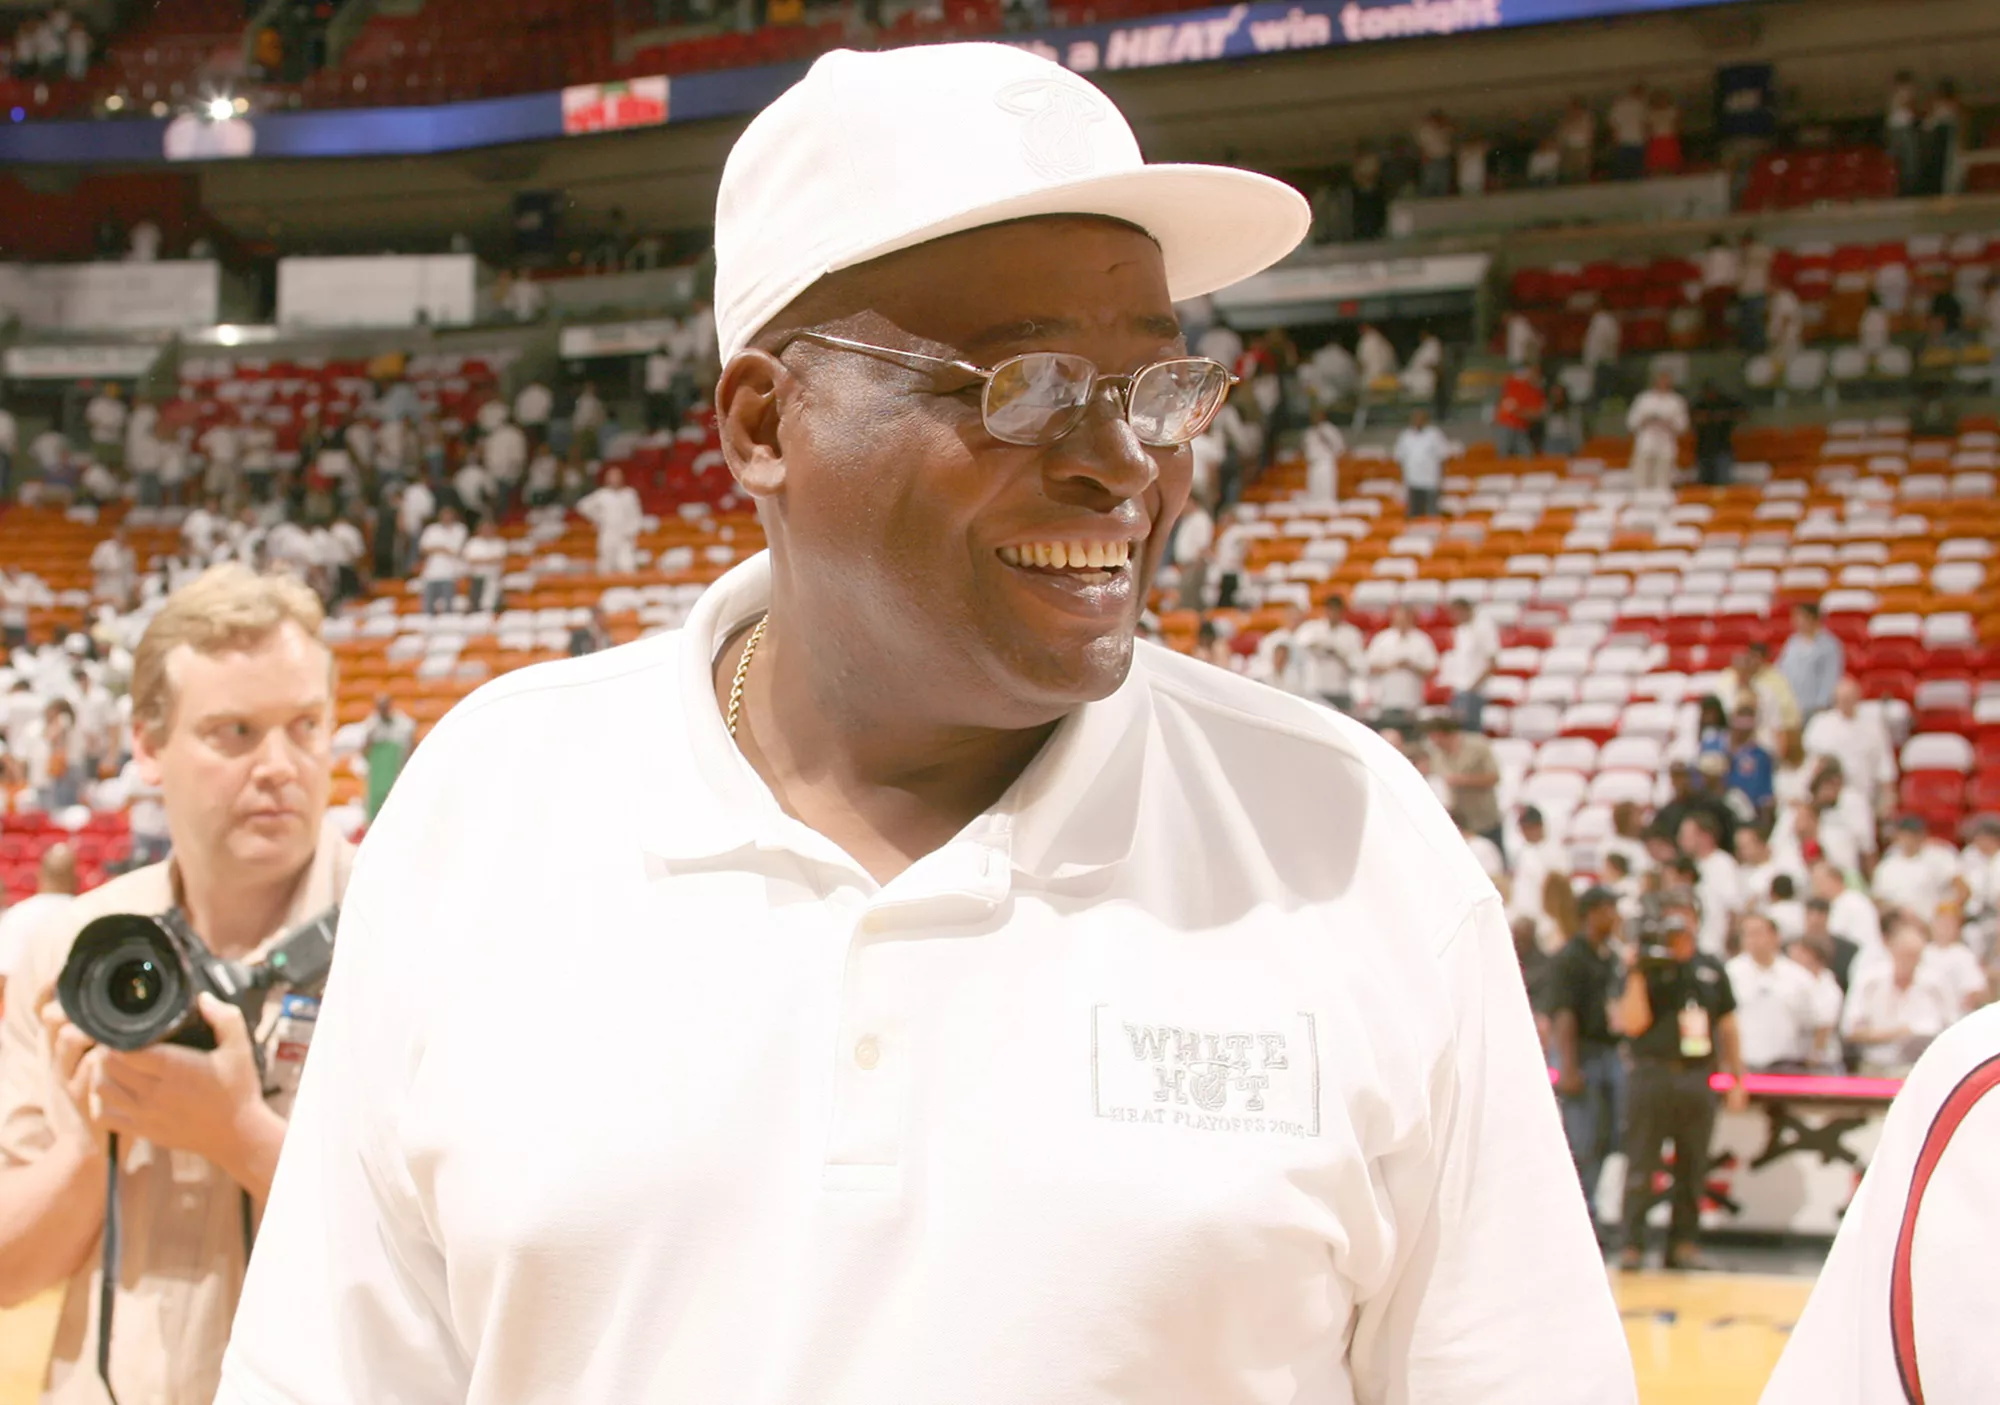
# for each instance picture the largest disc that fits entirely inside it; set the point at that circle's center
(1172, 402)
(1037, 398)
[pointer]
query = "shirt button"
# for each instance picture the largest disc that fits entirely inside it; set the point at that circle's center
(867, 1053)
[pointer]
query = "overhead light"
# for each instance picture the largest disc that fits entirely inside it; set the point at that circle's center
(242, 105)
(220, 109)
(159, 109)
(113, 103)
(228, 335)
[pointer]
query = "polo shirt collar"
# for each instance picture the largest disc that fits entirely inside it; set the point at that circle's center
(1074, 811)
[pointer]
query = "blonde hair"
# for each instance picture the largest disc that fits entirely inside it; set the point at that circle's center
(225, 607)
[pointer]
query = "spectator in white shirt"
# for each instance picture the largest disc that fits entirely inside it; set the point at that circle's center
(1872, 335)
(1785, 324)
(485, 565)
(586, 423)
(1475, 645)
(1540, 859)
(1420, 451)
(202, 528)
(1375, 355)
(472, 485)
(1847, 824)
(1524, 343)
(1721, 266)
(1628, 122)
(1979, 871)
(1426, 363)
(544, 472)
(144, 243)
(1333, 655)
(1915, 874)
(105, 417)
(116, 569)
(1658, 418)
(1602, 339)
(414, 509)
(1721, 885)
(1576, 134)
(1758, 867)
(659, 385)
(1859, 740)
(1828, 1000)
(1435, 141)
(442, 546)
(1785, 909)
(615, 510)
(532, 407)
(1892, 1015)
(505, 452)
(1776, 1001)
(1323, 445)
(1850, 913)
(1401, 659)
(1953, 966)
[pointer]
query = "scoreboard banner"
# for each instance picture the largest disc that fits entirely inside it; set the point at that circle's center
(1266, 29)
(614, 107)
(1293, 26)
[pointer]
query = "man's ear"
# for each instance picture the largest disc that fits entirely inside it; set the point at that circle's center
(747, 417)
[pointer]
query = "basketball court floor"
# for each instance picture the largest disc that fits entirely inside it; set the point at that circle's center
(1697, 1338)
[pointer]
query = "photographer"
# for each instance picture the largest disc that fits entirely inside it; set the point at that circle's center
(1678, 1013)
(232, 710)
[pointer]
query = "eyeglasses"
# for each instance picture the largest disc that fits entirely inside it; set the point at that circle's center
(1035, 399)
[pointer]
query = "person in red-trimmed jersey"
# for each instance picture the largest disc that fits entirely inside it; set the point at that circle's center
(1904, 1311)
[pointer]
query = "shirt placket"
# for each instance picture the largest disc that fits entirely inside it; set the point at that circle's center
(891, 976)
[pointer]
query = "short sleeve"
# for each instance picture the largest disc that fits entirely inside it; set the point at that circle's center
(1496, 1259)
(345, 1301)
(1725, 993)
(33, 1105)
(1566, 985)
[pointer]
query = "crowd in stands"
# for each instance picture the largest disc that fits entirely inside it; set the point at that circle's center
(1638, 135)
(1855, 918)
(353, 477)
(53, 44)
(1854, 932)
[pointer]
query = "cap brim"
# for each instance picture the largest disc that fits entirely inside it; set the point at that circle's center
(1215, 225)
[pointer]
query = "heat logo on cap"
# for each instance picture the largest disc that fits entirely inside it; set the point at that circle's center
(1056, 137)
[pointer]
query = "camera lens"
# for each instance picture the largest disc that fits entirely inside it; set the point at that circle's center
(134, 987)
(126, 984)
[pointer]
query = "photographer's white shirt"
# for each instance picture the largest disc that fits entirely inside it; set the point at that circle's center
(1199, 1069)
(1940, 1245)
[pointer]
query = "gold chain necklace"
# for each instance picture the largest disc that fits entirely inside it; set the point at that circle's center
(743, 672)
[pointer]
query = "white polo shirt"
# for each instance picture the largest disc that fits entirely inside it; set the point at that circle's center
(1778, 1010)
(1197, 1070)
(1844, 1349)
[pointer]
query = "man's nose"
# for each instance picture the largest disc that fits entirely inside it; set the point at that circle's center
(275, 760)
(1102, 457)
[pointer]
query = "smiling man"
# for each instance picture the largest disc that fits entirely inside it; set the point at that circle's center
(232, 709)
(898, 985)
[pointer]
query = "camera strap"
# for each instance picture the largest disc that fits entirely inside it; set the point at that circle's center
(109, 1264)
(107, 1282)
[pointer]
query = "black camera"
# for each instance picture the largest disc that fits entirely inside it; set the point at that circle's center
(1661, 922)
(131, 981)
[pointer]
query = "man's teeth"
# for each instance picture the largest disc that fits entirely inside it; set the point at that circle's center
(1069, 556)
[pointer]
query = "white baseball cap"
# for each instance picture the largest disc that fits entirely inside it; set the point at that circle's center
(872, 153)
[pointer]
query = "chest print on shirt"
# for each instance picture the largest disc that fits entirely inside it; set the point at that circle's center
(1248, 1081)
